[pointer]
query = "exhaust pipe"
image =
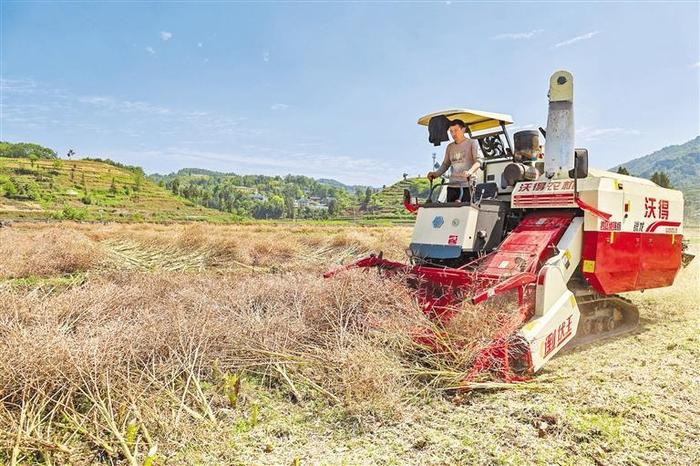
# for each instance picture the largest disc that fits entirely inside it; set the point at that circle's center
(559, 149)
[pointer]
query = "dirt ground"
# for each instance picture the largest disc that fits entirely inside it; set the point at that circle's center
(202, 344)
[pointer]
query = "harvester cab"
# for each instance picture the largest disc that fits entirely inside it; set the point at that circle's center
(543, 227)
(449, 233)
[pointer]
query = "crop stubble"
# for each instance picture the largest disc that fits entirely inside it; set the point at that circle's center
(125, 343)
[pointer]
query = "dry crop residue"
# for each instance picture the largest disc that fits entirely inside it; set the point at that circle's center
(205, 344)
(132, 255)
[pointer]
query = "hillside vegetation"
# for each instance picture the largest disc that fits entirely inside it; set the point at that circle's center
(293, 197)
(35, 183)
(43, 188)
(25, 150)
(260, 196)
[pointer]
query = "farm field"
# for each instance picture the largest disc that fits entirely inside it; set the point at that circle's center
(221, 344)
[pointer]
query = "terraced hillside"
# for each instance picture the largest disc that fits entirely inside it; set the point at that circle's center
(387, 204)
(88, 190)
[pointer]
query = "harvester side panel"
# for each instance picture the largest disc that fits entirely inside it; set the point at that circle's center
(616, 262)
(640, 245)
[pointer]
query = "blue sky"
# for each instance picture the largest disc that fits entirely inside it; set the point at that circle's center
(334, 90)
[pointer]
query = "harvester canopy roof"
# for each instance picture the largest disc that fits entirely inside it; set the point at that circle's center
(476, 120)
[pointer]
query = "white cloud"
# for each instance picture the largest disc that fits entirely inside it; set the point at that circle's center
(518, 35)
(150, 50)
(31, 107)
(124, 105)
(134, 120)
(279, 107)
(166, 36)
(586, 133)
(17, 86)
(266, 56)
(573, 40)
(695, 65)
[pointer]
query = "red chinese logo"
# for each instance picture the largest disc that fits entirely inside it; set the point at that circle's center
(650, 207)
(654, 210)
(557, 336)
(546, 186)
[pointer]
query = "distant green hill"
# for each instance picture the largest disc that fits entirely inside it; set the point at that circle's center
(352, 189)
(44, 188)
(682, 165)
(261, 196)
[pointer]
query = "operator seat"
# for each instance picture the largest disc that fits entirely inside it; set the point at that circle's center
(484, 191)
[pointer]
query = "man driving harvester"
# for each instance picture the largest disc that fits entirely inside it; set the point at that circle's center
(464, 156)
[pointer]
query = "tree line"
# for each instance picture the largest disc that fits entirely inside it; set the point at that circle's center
(261, 196)
(659, 177)
(26, 150)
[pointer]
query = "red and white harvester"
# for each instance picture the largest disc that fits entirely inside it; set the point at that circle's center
(562, 238)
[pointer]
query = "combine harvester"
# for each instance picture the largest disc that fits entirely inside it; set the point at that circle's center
(560, 237)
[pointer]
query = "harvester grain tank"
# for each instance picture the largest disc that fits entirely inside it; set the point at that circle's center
(565, 239)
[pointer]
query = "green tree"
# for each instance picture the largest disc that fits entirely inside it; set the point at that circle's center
(8, 188)
(661, 178)
(113, 187)
(368, 195)
(622, 170)
(138, 181)
(33, 158)
(28, 190)
(73, 213)
(289, 207)
(175, 186)
(333, 208)
(276, 206)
